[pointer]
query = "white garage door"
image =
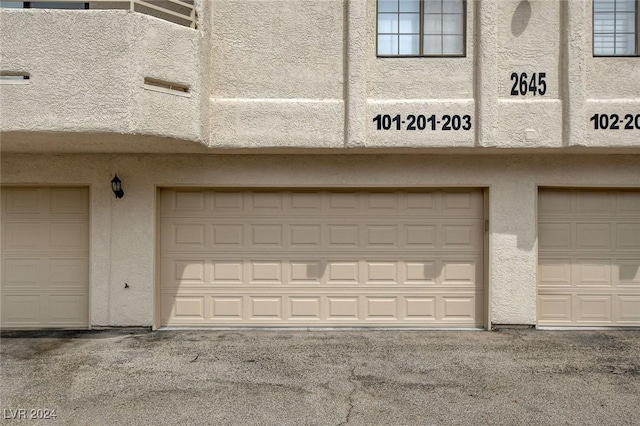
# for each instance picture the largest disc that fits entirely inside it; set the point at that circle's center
(321, 258)
(589, 258)
(45, 257)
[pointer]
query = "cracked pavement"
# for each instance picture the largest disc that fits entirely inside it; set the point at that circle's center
(355, 377)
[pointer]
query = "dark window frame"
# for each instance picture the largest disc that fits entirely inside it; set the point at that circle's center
(637, 33)
(422, 34)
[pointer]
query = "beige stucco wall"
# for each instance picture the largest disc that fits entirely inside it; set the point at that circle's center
(87, 72)
(308, 77)
(298, 74)
(123, 231)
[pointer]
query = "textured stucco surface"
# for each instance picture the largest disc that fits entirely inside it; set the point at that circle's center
(123, 231)
(289, 75)
(87, 72)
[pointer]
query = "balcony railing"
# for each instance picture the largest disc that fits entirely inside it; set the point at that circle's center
(181, 12)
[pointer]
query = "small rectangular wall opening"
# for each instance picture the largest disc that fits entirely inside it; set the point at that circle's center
(14, 77)
(166, 86)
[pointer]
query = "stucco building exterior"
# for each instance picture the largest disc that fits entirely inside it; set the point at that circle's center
(334, 163)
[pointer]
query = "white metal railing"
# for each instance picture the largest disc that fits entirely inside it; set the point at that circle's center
(181, 12)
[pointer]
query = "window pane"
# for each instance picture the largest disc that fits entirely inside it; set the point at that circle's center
(432, 45)
(603, 44)
(409, 44)
(452, 24)
(387, 5)
(452, 45)
(625, 44)
(61, 5)
(387, 45)
(603, 22)
(625, 22)
(410, 6)
(409, 23)
(604, 5)
(433, 6)
(12, 4)
(387, 23)
(614, 27)
(452, 6)
(433, 24)
(625, 5)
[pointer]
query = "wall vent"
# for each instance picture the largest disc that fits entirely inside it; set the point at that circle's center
(166, 86)
(14, 77)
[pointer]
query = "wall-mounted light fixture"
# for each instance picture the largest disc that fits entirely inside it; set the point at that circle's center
(116, 187)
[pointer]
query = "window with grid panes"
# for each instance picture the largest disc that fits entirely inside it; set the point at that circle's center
(615, 27)
(421, 28)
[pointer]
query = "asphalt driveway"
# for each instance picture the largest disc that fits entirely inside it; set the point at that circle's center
(323, 377)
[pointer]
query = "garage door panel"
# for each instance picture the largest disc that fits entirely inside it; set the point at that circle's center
(265, 236)
(307, 203)
(227, 202)
(628, 236)
(421, 204)
(420, 308)
(461, 236)
(343, 236)
(67, 310)
(554, 236)
(25, 236)
(265, 308)
(627, 309)
(461, 203)
(594, 203)
(304, 237)
(554, 202)
(22, 274)
(340, 272)
(628, 204)
(20, 310)
(342, 308)
(45, 257)
(187, 307)
(593, 308)
(265, 203)
(382, 203)
(305, 308)
(227, 236)
(230, 272)
(421, 237)
(227, 308)
(589, 281)
(25, 201)
(323, 258)
(554, 308)
(420, 272)
(69, 201)
(343, 203)
(385, 273)
(68, 274)
(593, 236)
(381, 236)
(457, 308)
(593, 272)
(184, 235)
(629, 272)
(461, 273)
(69, 236)
(554, 272)
(265, 272)
(381, 308)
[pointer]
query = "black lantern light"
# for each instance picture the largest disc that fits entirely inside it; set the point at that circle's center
(116, 187)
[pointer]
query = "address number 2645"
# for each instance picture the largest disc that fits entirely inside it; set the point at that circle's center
(524, 84)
